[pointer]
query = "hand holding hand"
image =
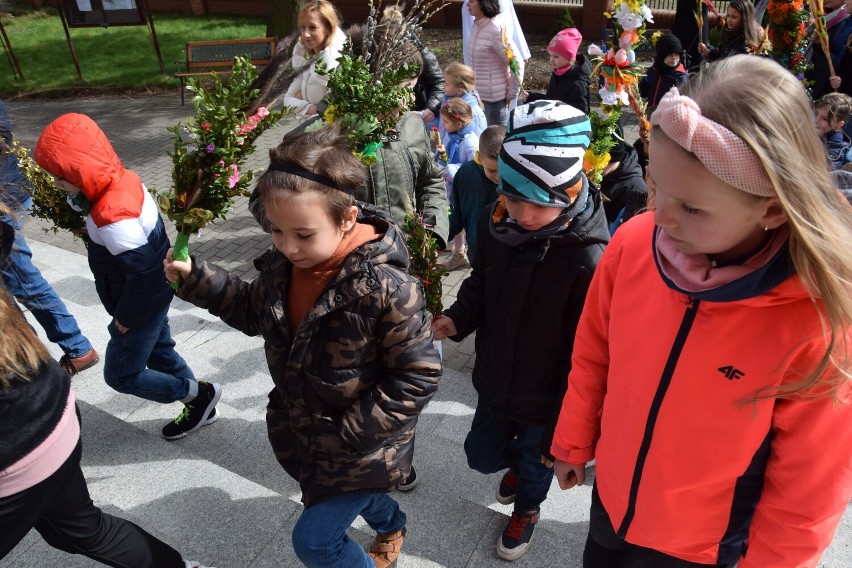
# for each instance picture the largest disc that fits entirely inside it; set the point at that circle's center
(176, 269)
(443, 328)
(121, 329)
(427, 115)
(569, 475)
(703, 50)
(312, 110)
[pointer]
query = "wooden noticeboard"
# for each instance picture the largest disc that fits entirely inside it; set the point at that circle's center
(106, 13)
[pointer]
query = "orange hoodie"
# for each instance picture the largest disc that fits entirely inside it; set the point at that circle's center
(654, 395)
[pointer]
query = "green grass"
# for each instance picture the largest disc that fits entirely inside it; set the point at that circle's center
(115, 59)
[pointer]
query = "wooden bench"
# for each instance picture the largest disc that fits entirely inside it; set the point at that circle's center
(202, 57)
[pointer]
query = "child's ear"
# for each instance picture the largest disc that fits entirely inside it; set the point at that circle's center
(349, 219)
(839, 124)
(773, 215)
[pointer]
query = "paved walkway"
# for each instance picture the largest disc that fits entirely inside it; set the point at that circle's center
(218, 495)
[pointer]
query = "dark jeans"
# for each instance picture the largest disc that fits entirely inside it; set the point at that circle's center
(143, 362)
(60, 509)
(608, 550)
(319, 536)
(25, 282)
(494, 444)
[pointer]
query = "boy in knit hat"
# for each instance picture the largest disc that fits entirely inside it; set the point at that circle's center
(569, 82)
(536, 249)
(667, 71)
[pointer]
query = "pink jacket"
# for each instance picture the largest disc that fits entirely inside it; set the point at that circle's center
(487, 55)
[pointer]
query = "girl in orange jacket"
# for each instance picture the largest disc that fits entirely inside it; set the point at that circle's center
(726, 436)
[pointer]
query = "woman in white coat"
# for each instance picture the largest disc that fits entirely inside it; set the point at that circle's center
(320, 38)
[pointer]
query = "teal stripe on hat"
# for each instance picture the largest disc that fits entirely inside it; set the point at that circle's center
(565, 135)
(520, 184)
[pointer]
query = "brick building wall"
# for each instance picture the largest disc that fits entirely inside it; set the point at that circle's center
(533, 17)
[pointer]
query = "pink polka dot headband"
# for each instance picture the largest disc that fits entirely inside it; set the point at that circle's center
(723, 153)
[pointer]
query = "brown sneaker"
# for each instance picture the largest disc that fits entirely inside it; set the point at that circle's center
(74, 365)
(386, 547)
(458, 261)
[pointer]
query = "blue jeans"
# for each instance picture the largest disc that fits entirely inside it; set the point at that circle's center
(143, 362)
(319, 536)
(28, 286)
(495, 113)
(494, 444)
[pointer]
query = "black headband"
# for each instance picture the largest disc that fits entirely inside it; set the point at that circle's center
(303, 173)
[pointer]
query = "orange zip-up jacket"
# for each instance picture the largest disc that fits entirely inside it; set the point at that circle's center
(655, 395)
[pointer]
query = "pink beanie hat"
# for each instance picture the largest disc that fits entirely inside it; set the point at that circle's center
(566, 43)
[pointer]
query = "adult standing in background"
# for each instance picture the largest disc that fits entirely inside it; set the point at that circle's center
(511, 25)
(23, 280)
(685, 28)
(429, 89)
(839, 27)
(320, 39)
(489, 43)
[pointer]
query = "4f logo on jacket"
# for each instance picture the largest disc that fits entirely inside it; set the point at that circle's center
(731, 373)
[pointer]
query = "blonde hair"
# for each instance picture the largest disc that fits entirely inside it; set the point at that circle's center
(463, 76)
(458, 110)
(327, 13)
(779, 129)
(21, 351)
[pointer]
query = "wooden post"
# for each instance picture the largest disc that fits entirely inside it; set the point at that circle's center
(7, 47)
(199, 7)
(62, 9)
(593, 18)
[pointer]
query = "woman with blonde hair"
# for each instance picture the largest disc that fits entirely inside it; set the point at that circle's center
(320, 39)
(710, 439)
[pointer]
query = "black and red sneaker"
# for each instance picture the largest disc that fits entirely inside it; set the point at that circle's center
(516, 537)
(507, 488)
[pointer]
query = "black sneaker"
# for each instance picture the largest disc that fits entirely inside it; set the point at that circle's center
(199, 412)
(409, 482)
(507, 488)
(517, 535)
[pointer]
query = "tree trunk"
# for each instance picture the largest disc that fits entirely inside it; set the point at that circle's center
(283, 17)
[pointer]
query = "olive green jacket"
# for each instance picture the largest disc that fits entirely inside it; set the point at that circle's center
(406, 178)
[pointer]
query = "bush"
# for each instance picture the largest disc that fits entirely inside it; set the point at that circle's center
(565, 21)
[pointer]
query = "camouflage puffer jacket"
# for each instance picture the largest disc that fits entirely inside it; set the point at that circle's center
(352, 380)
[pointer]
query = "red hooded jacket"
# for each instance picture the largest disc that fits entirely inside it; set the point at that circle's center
(128, 238)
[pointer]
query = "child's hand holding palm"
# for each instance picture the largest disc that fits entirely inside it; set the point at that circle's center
(176, 269)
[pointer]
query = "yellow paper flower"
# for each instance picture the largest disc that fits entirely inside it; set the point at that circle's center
(592, 162)
(328, 115)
